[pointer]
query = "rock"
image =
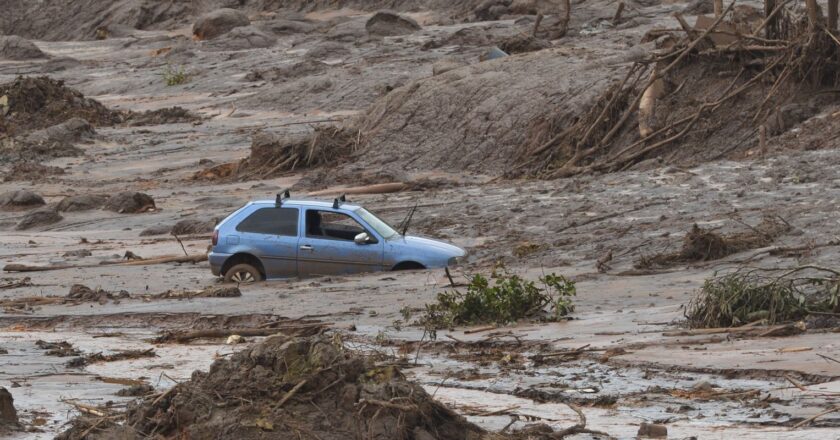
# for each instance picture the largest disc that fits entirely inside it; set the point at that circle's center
(193, 226)
(245, 37)
(699, 7)
(445, 65)
(129, 202)
(219, 22)
(652, 430)
(8, 414)
(13, 47)
(20, 199)
(491, 10)
(136, 390)
(39, 217)
(234, 339)
(83, 202)
(387, 23)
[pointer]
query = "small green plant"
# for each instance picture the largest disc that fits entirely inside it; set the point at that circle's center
(508, 299)
(175, 76)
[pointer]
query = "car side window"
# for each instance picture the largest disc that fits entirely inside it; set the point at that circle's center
(272, 221)
(331, 225)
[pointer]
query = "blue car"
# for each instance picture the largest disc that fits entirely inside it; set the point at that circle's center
(285, 238)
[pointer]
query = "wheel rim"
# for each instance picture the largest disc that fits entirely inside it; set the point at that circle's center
(243, 276)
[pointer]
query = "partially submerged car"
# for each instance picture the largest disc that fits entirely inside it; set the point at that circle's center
(285, 238)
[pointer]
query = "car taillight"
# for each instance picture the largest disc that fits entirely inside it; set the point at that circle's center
(215, 237)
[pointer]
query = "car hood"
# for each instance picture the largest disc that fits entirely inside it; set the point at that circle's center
(420, 242)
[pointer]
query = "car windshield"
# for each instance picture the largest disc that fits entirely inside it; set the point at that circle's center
(382, 228)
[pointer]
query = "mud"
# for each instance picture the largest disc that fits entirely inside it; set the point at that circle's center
(420, 110)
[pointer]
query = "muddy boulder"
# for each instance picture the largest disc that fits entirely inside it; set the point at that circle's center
(20, 199)
(156, 230)
(387, 23)
(129, 202)
(219, 22)
(39, 217)
(491, 10)
(8, 413)
(13, 47)
(70, 131)
(82, 202)
(244, 37)
(192, 226)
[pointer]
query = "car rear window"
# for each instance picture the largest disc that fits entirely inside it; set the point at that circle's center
(273, 221)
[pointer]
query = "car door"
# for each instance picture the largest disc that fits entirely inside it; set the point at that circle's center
(271, 234)
(326, 245)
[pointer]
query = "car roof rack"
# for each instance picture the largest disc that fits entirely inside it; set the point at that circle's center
(282, 196)
(337, 202)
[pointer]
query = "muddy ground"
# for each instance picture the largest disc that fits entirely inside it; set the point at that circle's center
(628, 362)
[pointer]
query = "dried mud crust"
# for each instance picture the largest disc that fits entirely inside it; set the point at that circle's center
(287, 387)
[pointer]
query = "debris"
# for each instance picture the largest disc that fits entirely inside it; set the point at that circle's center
(210, 292)
(84, 202)
(130, 203)
(80, 292)
(387, 23)
(60, 348)
(775, 295)
(278, 383)
(522, 43)
(218, 22)
(168, 115)
(20, 199)
(136, 390)
(31, 171)
(377, 188)
(10, 283)
(120, 355)
(492, 54)
(14, 267)
(131, 256)
(39, 217)
(704, 245)
(13, 47)
(271, 153)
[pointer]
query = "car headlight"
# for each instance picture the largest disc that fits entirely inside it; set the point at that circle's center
(457, 261)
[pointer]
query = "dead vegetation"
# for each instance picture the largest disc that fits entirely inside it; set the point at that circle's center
(287, 388)
(273, 153)
(701, 244)
(709, 92)
(765, 295)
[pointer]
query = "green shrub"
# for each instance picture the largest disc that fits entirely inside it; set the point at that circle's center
(174, 77)
(508, 299)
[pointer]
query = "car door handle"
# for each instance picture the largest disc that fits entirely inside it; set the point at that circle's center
(306, 247)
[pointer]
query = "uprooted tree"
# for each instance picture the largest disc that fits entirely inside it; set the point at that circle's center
(715, 88)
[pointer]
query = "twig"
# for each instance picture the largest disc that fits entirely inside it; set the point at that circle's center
(291, 393)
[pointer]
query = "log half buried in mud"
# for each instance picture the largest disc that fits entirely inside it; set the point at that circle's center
(157, 260)
(301, 330)
(777, 330)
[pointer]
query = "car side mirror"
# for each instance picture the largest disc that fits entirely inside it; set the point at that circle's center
(362, 238)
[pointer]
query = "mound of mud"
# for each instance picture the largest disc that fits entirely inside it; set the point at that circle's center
(307, 67)
(283, 387)
(82, 202)
(32, 171)
(243, 38)
(33, 103)
(702, 244)
(388, 24)
(129, 202)
(13, 47)
(8, 413)
(189, 226)
(20, 199)
(473, 118)
(39, 217)
(169, 115)
(219, 22)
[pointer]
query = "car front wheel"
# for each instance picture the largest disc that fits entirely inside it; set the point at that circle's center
(243, 274)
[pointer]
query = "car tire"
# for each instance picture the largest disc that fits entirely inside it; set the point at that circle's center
(243, 274)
